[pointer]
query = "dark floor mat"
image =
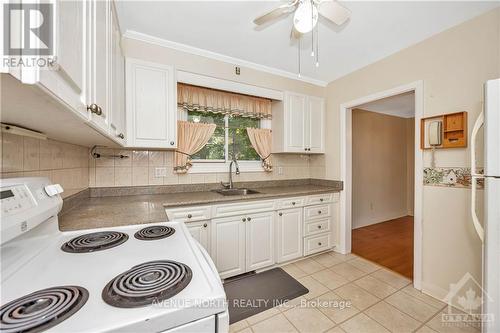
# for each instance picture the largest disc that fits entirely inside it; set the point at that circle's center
(251, 294)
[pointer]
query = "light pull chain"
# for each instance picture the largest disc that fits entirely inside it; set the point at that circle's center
(317, 45)
(312, 31)
(299, 56)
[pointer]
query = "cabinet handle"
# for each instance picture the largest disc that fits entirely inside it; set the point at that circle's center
(319, 243)
(121, 136)
(94, 108)
(319, 212)
(293, 203)
(249, 219)
(190, 216)
(319, 227)
(204, 225)
(280, 214)
(172, 143)
(244, 219)
(321, 199)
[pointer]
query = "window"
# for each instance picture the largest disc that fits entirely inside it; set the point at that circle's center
(229, 139)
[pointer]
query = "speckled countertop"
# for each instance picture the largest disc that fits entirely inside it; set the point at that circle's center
(112, 211)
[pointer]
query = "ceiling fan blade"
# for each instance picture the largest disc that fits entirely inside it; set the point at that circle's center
(275, 13)
(334, 11)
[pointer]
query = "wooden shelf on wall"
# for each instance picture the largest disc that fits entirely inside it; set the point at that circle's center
(453, 134)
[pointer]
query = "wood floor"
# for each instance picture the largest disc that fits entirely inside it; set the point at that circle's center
(389, 244)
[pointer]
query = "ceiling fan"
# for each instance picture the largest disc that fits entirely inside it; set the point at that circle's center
(307, 13)
(305, 20)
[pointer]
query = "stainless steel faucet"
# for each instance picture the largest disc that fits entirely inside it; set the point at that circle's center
(230, 184)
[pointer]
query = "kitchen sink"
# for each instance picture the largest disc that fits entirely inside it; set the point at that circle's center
(236, 191)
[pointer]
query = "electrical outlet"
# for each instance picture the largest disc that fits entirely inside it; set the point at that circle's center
(280, 170)
(160, 172)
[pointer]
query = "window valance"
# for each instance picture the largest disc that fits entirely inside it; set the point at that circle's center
(193, 98)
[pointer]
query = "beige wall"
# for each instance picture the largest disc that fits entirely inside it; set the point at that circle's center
(453, 66)
(62, 163)
(139, 169)
(379, 167)
(214, 68)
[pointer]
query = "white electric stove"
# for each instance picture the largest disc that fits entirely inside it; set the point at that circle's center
(103, 280)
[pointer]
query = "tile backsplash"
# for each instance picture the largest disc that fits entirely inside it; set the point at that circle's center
(139, 169)
(72, 166)
(63, 163)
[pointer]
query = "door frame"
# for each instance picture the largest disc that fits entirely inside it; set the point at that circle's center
(346, 171)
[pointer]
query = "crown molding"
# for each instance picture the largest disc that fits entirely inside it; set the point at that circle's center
(217, 56)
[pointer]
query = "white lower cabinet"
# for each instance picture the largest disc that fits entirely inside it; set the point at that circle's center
(252, 235)
(201, 232)
(259, 241)
(228, 245)
(289, 224)
(242, 243)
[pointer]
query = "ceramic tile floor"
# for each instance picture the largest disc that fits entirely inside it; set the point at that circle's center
(381, 301)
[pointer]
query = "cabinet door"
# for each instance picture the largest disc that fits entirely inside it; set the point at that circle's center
(315, 124)
(259, 241)
(117, 69)
(151, 104)
(289, 226)
(67, 80)
(228, 245)
(99, 55)
(201, 232)
(295, 118)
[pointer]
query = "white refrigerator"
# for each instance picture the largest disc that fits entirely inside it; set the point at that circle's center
(489, 229)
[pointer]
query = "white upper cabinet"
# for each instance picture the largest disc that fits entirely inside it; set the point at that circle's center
(98, 68)
(151, 92)
(298, 124)
(315, 139)
(117, 74)
(67, 79)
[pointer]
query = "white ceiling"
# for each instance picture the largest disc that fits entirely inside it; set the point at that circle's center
(402, 105)
(376, 30)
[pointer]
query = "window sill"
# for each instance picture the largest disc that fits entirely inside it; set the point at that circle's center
(221, 167)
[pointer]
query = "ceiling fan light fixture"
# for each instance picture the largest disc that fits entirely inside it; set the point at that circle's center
(304, 20)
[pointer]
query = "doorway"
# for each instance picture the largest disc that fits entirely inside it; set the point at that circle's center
(412, 231)
(382, 181)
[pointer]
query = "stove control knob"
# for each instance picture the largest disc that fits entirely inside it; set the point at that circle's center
(53, 190)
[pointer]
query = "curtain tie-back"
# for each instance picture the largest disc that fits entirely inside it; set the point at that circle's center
(191, 138)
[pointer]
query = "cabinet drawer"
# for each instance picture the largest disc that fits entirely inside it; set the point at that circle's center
(317, 243)
(321, 198)
(315, 212)
(316, 227)
(291, 202)
(188, 214)
(243, 208)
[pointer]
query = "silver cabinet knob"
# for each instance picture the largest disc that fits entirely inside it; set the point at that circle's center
(293, 203)
(94, 108)
(319, 227)
(244, 219)
(121, 136)
(205, 225)
(319, 212)
(189, 216)
(319, 243)
(280, 214)
(172, 143)
(321, 199)
(249, 219)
